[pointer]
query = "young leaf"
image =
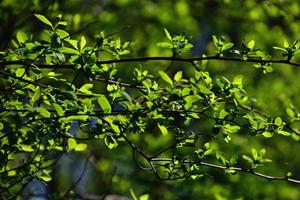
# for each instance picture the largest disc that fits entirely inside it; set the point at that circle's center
(165, 45)
(86, 88)
(58, 109)
(110, 142)
(163, 129)
(178, 76)
(21, 37)
(285, 133)
(104, 104)
(290, 113)
(144, 197)
(36, 96)
(80, 147)
(77, 118)
(251, 44)
(26, 148)
(43, 19)
(45, 178)
(82, 42)
(20, 72)
(166, 77)
(68, 50)
(268, 134)
(227, 46)
(215, 41)
(278, 121)
(44, 112)
(204, 90)
(72, 143)
(168, 34)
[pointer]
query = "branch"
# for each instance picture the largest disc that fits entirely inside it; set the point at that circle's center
(153, 58)
(239, 169)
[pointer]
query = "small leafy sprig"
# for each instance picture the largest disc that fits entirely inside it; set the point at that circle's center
(177, 43)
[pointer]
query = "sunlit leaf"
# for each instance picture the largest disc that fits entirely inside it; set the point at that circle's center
(165, 77)
(43, 19)
(104, 104)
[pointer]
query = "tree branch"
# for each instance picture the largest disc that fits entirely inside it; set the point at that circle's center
(154, 58)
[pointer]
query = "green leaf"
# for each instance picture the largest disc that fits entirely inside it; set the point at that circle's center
(36, 96)
(289, 174)
(72, 143)
(43, 19)
(268, 134)
(215, 41)
(133, 194)
(20, 72)
(12, 173)
(80, 147)
(110, 142)
(167, 34)
(227, 46)
(44, 112)
(115, 128)
(245, 157)
(61, 33)
(178, 76)
(86, 88)
(77, 118)
(124, 52)
(165, 45)
(230, 171)
(26, 148)
(68, 50)
(278, 121)
(204, 90)
(285, 133)
(74, 43)
(254, 153)
(223, 114)
(82, 43)
(21, 37)
(251, 44)
(163, 129)
(280, 49)
(104, 104)
(144, 197)
(58, 109)
(209, 151)
(231, 129)
(290, 113)
(45, 178)
(166, 77)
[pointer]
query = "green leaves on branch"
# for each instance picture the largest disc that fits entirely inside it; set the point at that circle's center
(221, 45)
(177, 43)
(257, 158)
(190, 107)
(289, 50)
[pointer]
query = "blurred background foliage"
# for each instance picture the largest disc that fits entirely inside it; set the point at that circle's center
(268, 22)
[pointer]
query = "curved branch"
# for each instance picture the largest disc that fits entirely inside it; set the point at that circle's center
(239, 169)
